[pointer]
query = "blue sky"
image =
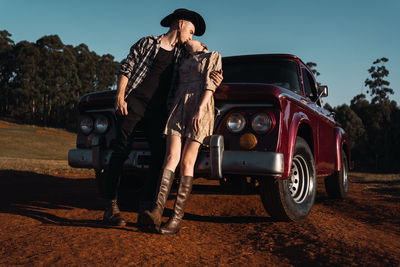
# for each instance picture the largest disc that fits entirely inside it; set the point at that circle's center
(342, 37)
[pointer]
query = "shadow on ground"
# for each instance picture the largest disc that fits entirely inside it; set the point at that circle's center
(33, 195)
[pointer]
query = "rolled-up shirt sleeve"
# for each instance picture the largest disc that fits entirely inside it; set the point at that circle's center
(215, 64)
(127, 64)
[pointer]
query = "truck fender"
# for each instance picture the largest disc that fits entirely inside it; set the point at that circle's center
(297, 119)
(340, 140)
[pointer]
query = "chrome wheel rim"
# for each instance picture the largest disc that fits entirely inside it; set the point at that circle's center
(299, 183)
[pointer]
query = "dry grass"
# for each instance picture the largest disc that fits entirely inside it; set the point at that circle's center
(40, 166)
(373, 177)
(38, 149)
(33, 142)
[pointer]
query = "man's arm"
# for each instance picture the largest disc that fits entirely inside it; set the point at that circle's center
(120, 104)
(125, 72)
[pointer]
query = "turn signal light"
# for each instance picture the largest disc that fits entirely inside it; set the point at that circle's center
(248, 141)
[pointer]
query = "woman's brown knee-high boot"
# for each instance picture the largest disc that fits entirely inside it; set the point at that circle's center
(152, 219)
(174, 222)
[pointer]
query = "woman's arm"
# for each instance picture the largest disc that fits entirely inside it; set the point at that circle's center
(214, 65)
(200, 110)
(213, 77)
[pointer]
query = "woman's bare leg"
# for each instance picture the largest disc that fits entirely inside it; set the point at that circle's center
(152, 219)
(189, 156)
(173, 152)
(188, 160)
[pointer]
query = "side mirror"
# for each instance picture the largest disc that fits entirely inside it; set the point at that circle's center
(322, 91)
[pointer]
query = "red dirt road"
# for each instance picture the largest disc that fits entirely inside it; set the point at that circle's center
(50, 220)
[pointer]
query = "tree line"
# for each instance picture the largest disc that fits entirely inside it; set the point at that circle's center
(41, 82)
(373, 125)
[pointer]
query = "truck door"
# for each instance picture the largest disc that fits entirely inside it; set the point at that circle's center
(325, 151)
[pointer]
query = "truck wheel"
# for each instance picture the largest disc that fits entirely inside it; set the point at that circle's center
(337, 184)
(292, 199)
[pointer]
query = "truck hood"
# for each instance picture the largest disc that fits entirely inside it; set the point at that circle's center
(250, 92)
(227, 92)
(102, 99)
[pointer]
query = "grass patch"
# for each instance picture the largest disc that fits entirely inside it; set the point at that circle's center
(33, 142)
(39, 149)
(373, 177)
(41, 166)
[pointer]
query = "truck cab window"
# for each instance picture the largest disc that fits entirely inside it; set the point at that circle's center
(309, 86)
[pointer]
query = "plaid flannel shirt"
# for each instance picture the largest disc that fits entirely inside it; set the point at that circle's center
(138, 63)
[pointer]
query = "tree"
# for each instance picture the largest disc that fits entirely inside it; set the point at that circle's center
(351, 123)
(86, 63)
(376, 149)
(377, 84)
(106, 72)
(311, 66)
(41, 82)
(6, 69)
(6, 43)
(328, 107)
(394, 147)
(380, 126)
(25, 85)
(53, 70)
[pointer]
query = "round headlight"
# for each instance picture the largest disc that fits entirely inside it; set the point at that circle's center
(101, 124)
(86, 124)
(235, 122)
(261, 123)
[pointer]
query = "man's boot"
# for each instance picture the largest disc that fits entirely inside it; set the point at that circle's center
(152, 219)
(174, 222)
(112, 215)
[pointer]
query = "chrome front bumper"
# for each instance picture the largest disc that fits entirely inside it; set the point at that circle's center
(214, 164)
(85, 158)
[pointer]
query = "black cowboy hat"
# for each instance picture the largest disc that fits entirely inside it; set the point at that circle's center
(185, 14)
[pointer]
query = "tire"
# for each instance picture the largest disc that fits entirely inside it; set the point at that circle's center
(292, 199)
(337, 184)
(130, 189)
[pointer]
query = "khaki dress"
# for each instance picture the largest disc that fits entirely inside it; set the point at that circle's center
(194, 79)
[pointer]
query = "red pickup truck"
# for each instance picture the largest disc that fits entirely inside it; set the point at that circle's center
(270, 129)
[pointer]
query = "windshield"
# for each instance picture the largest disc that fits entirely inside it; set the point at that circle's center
(277, 72)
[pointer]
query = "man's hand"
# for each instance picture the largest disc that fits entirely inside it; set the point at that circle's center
(120, 106)
(217, 77)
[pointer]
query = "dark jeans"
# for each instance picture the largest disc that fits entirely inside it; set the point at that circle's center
(154, 122)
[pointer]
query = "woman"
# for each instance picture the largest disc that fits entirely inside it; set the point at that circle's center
(191, 120)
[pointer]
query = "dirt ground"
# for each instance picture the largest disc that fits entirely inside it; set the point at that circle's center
(54, 220)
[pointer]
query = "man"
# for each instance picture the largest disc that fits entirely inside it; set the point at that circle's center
(145, 91)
